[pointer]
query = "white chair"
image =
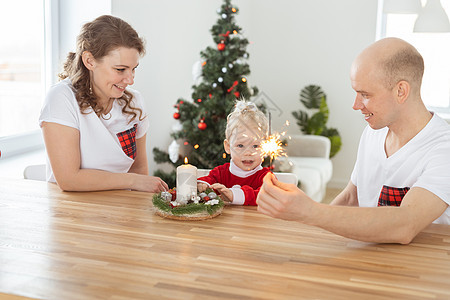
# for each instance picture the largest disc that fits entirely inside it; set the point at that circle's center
(35, 172)
(309, 158)
(283, 177)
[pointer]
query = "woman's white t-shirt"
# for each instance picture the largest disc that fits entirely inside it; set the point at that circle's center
(107, 145)
(423, 162)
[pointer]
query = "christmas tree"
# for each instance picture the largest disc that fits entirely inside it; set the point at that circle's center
(221, 80)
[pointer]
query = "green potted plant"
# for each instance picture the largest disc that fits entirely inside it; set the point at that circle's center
(315, 100)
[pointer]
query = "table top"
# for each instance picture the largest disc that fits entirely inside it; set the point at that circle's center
(111, 245)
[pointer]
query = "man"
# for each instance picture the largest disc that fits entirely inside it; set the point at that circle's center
(401, 180)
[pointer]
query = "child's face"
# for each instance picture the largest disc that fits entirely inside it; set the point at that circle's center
(244, 148)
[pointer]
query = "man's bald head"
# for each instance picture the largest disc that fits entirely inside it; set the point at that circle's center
(392, 60)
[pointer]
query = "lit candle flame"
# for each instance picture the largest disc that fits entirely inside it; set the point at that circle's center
(185, 160)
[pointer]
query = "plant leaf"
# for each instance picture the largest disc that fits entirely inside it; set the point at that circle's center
(311, 96)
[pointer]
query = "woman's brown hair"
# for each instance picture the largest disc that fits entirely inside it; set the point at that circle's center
(99, 37)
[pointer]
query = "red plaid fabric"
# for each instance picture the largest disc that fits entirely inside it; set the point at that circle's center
(391, 196)
(127, 140)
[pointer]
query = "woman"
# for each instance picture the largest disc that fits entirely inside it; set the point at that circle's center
(94, 126)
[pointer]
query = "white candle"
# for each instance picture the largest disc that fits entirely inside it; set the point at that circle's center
(186, 182)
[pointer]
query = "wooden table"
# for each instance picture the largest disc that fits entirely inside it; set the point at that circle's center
(110, 245)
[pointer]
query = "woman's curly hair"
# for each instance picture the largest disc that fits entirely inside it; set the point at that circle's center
(99, 37)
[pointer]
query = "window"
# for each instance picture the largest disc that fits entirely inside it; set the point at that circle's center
(435, 49)
(21, 65)
(27, 56)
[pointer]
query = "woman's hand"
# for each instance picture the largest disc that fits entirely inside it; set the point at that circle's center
(145, 183)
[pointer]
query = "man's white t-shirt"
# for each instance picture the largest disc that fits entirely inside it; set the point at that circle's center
(107, 145)
(423, 162)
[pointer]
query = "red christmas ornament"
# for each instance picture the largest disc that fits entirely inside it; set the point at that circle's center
(202, 125)
(237, 94)
(221, 47)
(176, 116)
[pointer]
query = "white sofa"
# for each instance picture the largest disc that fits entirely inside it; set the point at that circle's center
(308, 158)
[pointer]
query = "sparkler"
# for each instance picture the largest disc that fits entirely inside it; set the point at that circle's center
(272, 146)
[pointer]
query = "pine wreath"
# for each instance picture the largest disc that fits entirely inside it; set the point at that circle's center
(190, 211)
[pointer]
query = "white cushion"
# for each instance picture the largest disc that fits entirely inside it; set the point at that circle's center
(310, 180)
(322, 165)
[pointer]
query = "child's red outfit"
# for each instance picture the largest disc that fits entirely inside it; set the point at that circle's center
(245, 185)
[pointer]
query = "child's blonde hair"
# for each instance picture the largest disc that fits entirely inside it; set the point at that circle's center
(248, 115)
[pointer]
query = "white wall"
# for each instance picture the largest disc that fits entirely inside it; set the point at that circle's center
(72, 15)
(294, 43)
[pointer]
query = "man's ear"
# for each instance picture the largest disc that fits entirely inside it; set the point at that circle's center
(403, 89)
(226, 145)
(88, 60)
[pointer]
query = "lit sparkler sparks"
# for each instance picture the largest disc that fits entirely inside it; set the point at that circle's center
(272, 146)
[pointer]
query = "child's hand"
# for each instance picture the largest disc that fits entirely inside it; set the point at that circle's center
(226, 193)
(201, 187)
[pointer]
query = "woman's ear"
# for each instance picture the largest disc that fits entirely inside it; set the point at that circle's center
(403, 90)
(88, 60)
(226, 145)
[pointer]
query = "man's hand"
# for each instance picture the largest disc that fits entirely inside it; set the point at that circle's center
(282, 200)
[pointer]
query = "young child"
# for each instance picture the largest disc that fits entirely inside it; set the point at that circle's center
(239, 181)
